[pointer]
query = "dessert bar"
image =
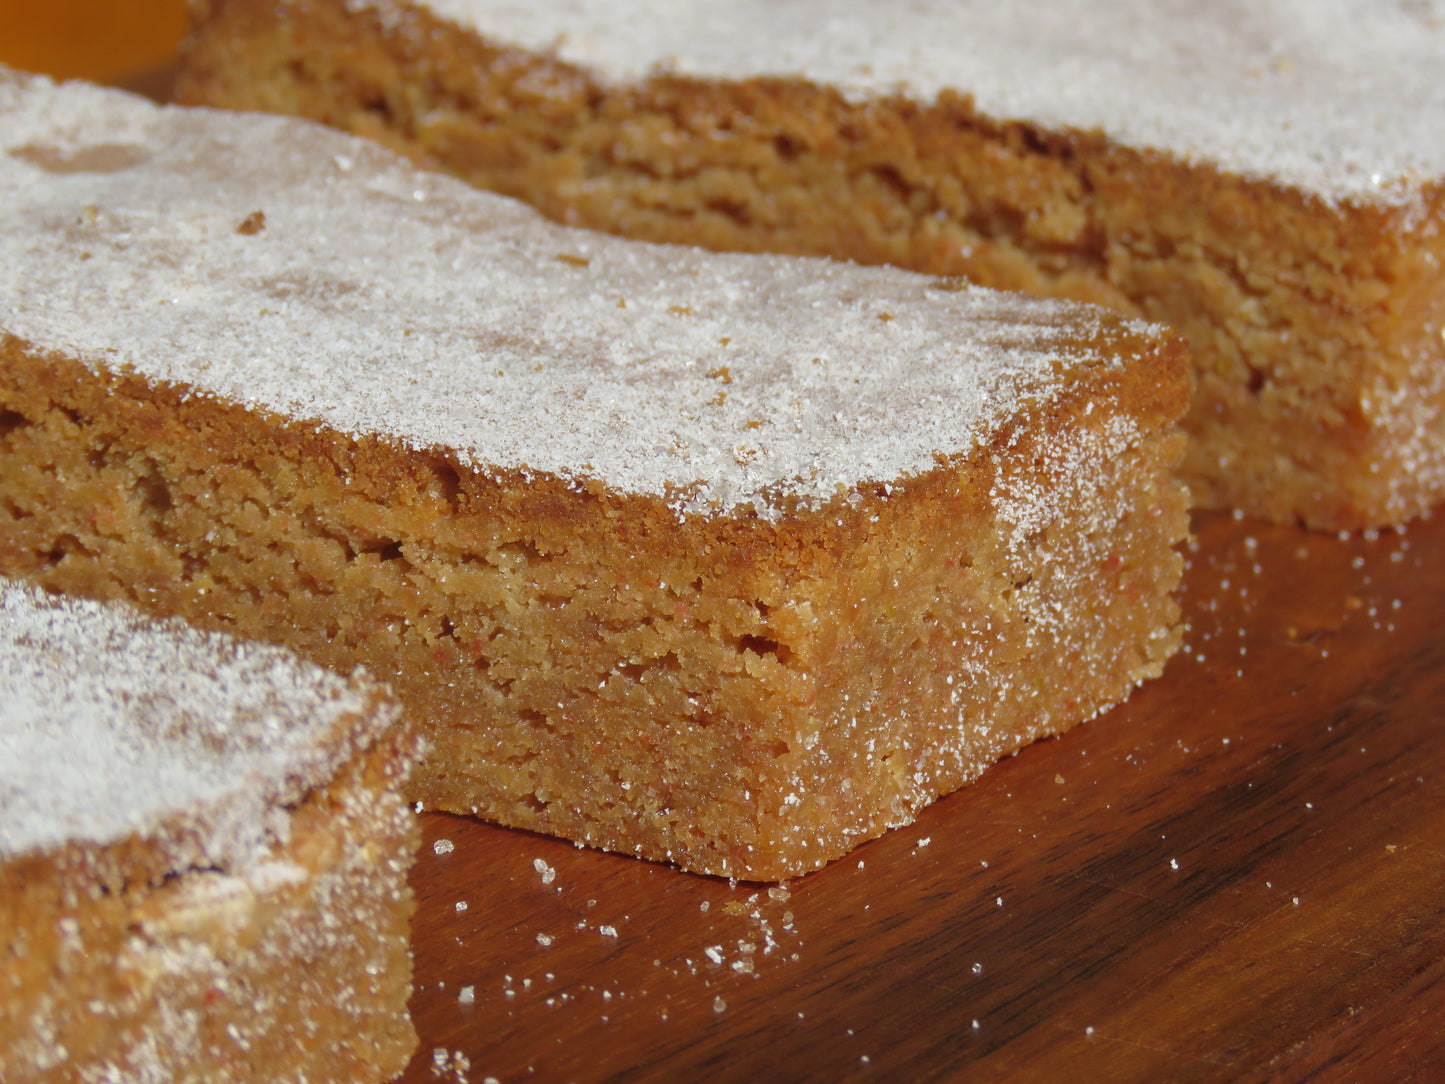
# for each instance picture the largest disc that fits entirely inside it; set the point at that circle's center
(731, 561)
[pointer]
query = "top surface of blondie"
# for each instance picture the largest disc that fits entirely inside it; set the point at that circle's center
(277, 264)
(113, 724)
(1343, 98)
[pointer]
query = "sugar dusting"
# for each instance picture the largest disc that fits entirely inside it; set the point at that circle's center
(111, 724)
(1339, 97)
(270, 263)
(612, 966)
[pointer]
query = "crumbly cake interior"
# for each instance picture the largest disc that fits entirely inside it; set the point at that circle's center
(726, 561)
(203, 857)
(1285, 216)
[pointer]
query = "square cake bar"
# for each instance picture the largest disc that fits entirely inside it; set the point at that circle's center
(730, 561)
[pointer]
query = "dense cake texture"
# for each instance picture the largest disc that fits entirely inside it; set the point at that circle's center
(732, 561)
(1265, 178)
(203, 856)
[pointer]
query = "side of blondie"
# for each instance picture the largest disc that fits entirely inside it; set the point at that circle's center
(729, 561)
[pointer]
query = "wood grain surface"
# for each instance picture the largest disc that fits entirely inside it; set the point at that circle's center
(1238, 875)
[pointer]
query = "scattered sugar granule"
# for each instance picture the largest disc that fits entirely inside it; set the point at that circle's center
(467, 995)
(607, 931)
(443, 846)
(544, 939)
(719, 1005)
(461, 906)
(449, 1063)
(924, 841)
(1173, 863)
(548, 873)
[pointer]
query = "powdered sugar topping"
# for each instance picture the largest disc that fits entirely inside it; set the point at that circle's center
(1343, 98)
(112, 724)
(272, 263)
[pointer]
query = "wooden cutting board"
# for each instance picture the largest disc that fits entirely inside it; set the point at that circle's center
(1237, 875)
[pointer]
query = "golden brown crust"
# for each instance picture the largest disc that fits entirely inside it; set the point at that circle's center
(1314, 325)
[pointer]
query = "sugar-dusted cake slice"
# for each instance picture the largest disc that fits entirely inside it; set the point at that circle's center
(727, 560)
(203, 856)
(1267, 178)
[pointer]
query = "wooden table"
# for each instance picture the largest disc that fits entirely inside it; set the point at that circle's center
(1238, 875)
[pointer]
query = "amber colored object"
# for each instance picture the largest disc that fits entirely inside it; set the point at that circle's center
(90, 39)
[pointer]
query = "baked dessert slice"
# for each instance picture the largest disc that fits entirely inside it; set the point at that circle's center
(1267, 181)
(727, 560)
(203, 856)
